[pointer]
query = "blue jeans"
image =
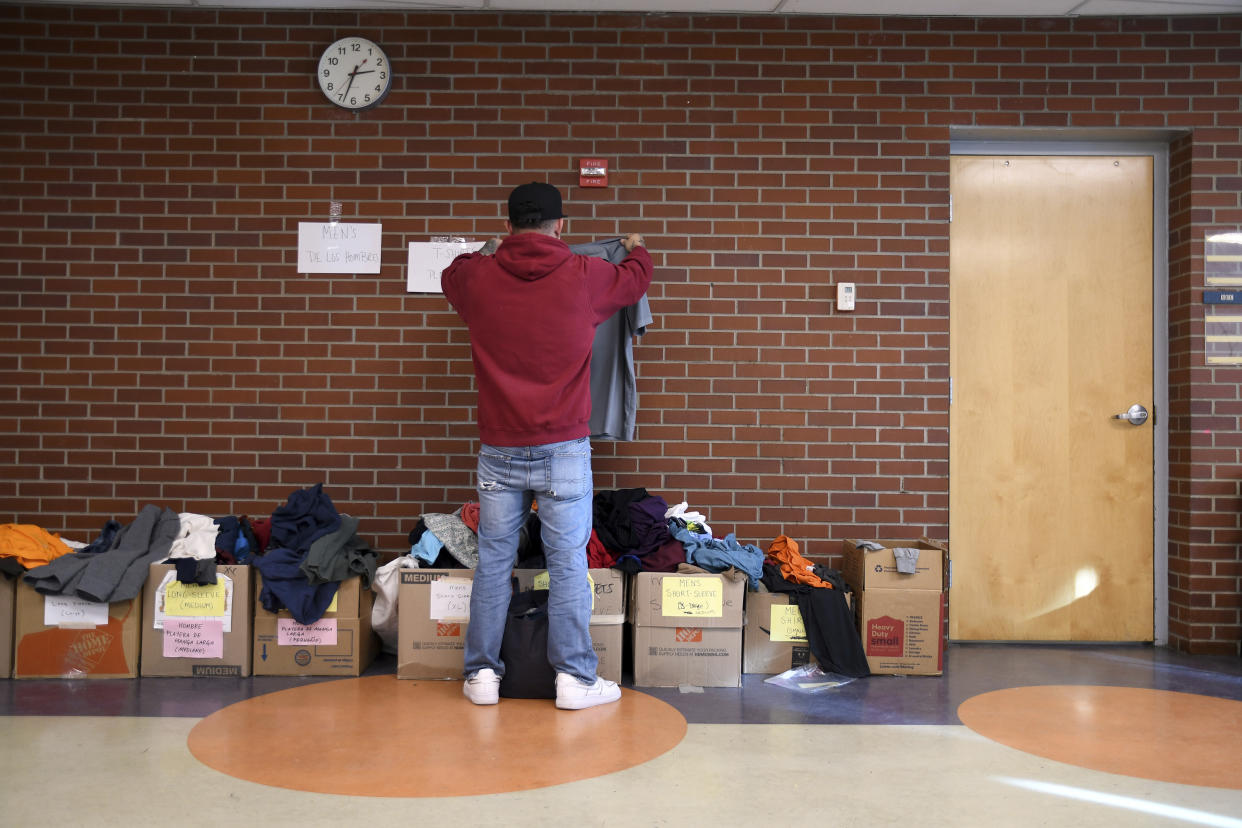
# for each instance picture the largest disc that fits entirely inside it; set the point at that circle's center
(558, 475)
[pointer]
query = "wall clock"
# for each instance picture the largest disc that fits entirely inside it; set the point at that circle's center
(354, 73)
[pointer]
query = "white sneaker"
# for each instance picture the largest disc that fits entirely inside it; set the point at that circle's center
(574, 694)
(483, 687)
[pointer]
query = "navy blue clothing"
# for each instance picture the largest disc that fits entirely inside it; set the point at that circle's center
(307, 516)
(285, 587)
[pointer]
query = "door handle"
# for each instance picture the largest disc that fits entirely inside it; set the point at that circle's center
(1137, 415)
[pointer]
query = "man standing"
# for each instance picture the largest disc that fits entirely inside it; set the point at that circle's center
(532, 307)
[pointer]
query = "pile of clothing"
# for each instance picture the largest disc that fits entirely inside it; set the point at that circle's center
(310, 550)
(303, 550)
(819, 593)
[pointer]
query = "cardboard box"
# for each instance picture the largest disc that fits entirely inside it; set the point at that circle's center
(339, 644)
(433, 610)
(687, 629)
(433, 615)
(190, 651)
(8, 597)
(607, 615)
(901, 616)
(865, 569)
(64, 637)
(901, 631)
(772, 640)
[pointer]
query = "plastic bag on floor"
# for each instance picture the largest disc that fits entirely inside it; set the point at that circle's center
(809, 678)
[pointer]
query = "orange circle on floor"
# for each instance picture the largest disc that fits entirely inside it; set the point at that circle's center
(380, 736)
(1151, 734)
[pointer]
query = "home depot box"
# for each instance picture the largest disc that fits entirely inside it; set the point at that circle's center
(8, 596)
(60, 636)
(901, 616)
(687, 629)
(607, 614)
(192, 630)
(433, 611)
(341, 643)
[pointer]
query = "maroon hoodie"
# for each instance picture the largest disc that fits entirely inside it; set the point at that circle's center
(532, 309)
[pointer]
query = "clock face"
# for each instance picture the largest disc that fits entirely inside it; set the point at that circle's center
(354, 73)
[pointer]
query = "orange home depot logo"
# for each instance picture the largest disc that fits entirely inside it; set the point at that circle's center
(885, 636)
(688, 635)
(450, 630)
(62, 652)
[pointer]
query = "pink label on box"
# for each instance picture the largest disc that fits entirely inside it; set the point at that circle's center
(193, 638)
(290, 632)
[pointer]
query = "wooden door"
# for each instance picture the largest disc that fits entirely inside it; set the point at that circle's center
(1050, 497)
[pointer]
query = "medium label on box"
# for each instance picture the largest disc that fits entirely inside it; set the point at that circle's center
(885, 636)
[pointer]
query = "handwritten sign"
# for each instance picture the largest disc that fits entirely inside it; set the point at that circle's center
(195, 600)
(338, 247)
(428, 260)
(696, 597)
(544, 581)
(200, 638)
(450, 599)
(787, 623)
(174, 599)
(290, 632)
(71, 611)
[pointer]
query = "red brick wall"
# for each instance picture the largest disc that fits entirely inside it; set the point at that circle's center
(161, 346)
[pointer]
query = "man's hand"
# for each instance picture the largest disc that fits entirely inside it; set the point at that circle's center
(490, 248)
(633, 240)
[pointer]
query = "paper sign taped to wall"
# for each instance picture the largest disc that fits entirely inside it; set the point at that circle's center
(72, 611)
(200, 638)
(338, 247)
(450, 599)
(694, 596)
(787, 624)
(428, 260)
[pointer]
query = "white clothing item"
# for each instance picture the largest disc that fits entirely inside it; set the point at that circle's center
(386, 586)
(679, 511)
(196, 538)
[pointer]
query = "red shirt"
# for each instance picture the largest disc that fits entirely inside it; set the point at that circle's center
(532, 309)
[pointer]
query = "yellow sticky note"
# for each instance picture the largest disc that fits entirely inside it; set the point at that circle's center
(194, 600)
(787, 623)
(332, 606)
(542, 580)
(692, 597)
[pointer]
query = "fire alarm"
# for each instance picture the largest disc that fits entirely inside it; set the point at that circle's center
(593, 172)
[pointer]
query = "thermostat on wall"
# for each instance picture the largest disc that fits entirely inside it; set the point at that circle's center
(845, 296)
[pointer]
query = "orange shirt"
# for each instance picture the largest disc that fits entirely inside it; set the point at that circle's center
(31, 545)
(794, 567)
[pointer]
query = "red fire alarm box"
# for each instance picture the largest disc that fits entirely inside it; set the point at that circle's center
(593, 172)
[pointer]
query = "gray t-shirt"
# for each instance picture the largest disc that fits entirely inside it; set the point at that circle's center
(614, 395)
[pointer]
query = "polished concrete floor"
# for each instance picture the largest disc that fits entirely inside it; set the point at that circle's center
(1011, 735)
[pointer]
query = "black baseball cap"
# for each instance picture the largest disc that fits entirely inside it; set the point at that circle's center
(534, 202)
